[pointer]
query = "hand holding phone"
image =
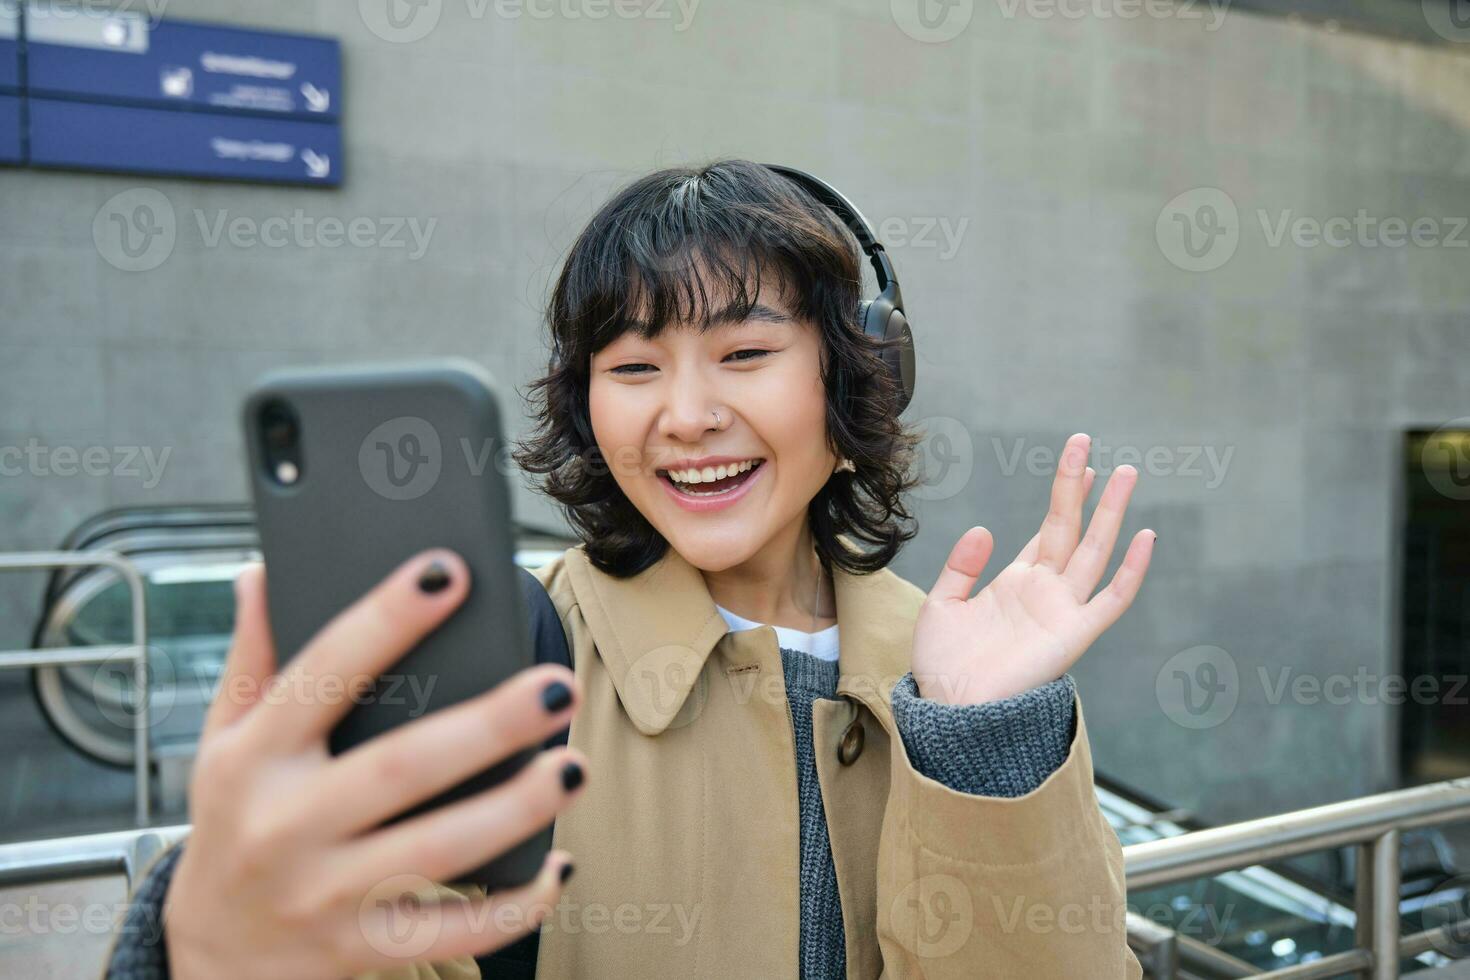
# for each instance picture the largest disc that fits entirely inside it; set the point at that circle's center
(288, 871)
(352, 470)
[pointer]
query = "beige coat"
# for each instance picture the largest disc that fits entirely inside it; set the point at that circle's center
(686, 839)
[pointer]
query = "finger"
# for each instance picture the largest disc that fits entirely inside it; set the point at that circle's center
(963, 566)
(391, 773)
(1090, 559)
(463, 925)
(1032, 550)
(1104, 608)
(1063, 522)
(454, 839)
(325, 680)
(252, 657)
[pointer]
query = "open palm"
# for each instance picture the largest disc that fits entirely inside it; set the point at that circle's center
(1038, 616)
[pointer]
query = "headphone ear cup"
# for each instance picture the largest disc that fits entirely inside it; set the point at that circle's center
(881, 320)
(901, 359)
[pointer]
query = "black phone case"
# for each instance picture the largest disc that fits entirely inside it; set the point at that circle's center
(394, 460)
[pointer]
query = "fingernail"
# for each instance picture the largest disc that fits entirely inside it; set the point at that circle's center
(434, 579)
(571, 776)
(566, 872)
(556, 696)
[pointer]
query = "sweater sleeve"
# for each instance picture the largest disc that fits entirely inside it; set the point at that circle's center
(138, 949)
(1003, 748)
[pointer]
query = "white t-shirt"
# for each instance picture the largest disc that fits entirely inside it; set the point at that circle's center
(821, 644)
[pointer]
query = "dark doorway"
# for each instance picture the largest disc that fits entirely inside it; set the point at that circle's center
(1435, 605)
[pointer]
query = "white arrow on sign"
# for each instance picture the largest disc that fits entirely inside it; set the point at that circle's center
(317, 100)
(318, 165)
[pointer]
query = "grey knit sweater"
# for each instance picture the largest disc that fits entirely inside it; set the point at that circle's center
(1005, 748)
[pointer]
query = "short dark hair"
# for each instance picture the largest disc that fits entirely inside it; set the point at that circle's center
(660, 251)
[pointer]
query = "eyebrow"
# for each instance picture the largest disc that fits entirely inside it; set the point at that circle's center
(758, 311)
(731, 315)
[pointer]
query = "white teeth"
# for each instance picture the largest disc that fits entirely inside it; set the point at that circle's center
(710, 474)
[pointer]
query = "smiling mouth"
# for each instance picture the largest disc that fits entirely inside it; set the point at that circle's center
(716, 485)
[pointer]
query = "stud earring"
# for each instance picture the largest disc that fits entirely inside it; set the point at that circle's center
(846, 466)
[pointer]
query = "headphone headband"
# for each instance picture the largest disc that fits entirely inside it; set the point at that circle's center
(881, 318)
(837, 202)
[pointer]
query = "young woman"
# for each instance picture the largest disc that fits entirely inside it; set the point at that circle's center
(783, 760)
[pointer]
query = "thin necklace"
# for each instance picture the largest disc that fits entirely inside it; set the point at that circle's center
(818, 597)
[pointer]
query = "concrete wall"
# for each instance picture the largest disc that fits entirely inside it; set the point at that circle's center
(1027, 169)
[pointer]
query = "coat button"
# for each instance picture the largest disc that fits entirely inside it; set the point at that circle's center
(851, 745)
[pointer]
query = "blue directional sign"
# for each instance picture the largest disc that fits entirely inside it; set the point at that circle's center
(191, 144)
(9, 47)
(80, 52)
(10, 129)
(76, 51)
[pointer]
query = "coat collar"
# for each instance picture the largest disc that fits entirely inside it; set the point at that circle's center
(662, 623)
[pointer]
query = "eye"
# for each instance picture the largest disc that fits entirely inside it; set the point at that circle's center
(756, 351)
(628, 369)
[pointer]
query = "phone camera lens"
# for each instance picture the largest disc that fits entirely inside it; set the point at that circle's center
(279, 427)
(280, 438)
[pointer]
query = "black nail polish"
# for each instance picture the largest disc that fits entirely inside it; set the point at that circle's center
(434, 579)
(571, 776)
(566, 872)
(556, 696)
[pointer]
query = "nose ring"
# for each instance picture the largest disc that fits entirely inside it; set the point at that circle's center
(717, 418)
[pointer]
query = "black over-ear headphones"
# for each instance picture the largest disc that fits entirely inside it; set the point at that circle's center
(881, 317)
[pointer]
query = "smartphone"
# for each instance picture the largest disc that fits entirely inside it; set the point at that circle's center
(353, 470)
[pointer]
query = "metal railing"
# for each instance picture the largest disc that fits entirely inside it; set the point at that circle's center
(124, 852)
(1371, 823)
(62, 656)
